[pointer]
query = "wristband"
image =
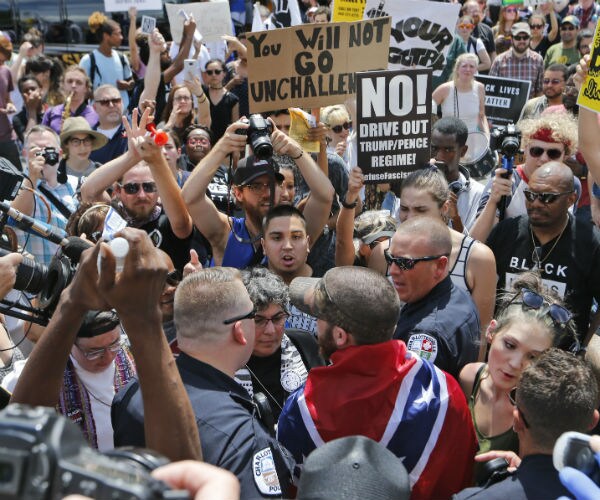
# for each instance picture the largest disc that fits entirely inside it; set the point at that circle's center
(350, 206)
(297, 157)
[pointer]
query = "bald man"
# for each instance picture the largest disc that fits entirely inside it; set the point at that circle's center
(439, 321)
(564, 251)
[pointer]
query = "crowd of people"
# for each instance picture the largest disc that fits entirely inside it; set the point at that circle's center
(273, 307)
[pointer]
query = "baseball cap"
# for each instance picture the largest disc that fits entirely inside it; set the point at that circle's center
(520, 28)
(340, 298)
(353, 468)
(250, 168)
(570, 20)
(97, 322)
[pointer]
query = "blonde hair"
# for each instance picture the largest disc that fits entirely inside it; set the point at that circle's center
(460, 60)
(337, 113)
(562, 127)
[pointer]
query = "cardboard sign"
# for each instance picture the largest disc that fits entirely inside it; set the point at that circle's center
(148, 24)
(348, 10)
(213, 19)
(589, 95)
(123, 5)
(312, 65)
(504, 98)
(393, 123)
(421, 31)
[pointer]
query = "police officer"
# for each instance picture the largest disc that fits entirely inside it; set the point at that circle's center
(216, 338)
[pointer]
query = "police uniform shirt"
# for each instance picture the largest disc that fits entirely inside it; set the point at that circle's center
(569, 267)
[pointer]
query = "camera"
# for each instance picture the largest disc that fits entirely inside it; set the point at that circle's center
(259, 136)
(44, 456)
(50, 156)
(506, 139)
(572, 449)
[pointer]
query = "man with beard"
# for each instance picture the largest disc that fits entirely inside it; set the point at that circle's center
(565, 251)
(375, 387)
(555, 80)
(108, 104)
(566, 51)
(520, 62)
(236, 241)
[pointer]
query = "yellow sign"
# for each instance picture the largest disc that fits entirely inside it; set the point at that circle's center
(589, 95)
(348, 10)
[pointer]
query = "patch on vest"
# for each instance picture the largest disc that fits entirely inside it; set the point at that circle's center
(265, 473)
(424, 345)
(290, 381)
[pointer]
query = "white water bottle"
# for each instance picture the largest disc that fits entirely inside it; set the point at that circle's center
(120, 248)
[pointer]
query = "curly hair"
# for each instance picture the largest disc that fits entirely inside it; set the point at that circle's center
(100, 24)
(562, 129)
(265, 288)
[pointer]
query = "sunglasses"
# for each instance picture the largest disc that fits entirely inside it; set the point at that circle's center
(520, 38)
(134, 187)
(466, 26)
(553, 153)
(211, 72)
(533, 300)
(406, 263)
(277, 320)
(545, 198)
(511, 10)
(174, 278)
(512, 396)
(567, 27)
(553, 81)
(250, 315)
(536, 26)
(105, 102)
(338, 128)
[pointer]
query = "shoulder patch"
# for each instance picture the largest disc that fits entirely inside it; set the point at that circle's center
(265, 473)
(423, 345)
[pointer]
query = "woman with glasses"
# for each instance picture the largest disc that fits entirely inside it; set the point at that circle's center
(78, 140)
(224, 105)
(509, 15)
(528, 322)
(464, 29)
(540, 40)
(179, 112)
(280, 360)
(339, 125)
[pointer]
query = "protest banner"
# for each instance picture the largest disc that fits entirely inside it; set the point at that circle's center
(213, 19)
(393, 122)
(312, 65)
(589, 95)
(123, 5)
(347, 10)
(504, 98)
(421, 31)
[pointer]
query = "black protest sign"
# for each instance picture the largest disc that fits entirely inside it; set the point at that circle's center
(313, 65)
(393, 123)
(504, 98)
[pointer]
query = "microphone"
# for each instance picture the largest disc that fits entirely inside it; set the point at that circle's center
(33, 226)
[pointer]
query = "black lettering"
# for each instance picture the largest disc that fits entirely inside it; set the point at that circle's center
(304, 68)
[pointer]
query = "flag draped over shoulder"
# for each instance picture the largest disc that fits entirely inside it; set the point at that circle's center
(383, 392)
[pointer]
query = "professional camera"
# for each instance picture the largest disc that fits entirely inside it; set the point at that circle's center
(506, 140)
(44, 456)
(259, 136)
(50, 155)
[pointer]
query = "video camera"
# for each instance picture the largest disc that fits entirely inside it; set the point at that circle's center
(44, 456)
(259, 136)
(506, 139)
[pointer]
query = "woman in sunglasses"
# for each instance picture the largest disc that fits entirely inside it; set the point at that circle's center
(528, 322)
(224, 105)
(339, 125)
(509, 15)
(464, 29)
(540, 40)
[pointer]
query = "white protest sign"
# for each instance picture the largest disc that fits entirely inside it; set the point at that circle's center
(213, 19)
(123, 5)
(422, 31)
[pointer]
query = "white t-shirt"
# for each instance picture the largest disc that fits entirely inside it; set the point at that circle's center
(108, 70)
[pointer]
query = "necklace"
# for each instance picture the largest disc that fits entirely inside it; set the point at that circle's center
(536, 255)
(94, 396)
(263, 387)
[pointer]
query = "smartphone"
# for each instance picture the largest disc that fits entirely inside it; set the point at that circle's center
(572, 449)
(191, 71)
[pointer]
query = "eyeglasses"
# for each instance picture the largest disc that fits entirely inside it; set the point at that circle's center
(105, 102)
(94, 354)
(466, 26)
(545, 198)
(567, 27)
(536, 26)
(511, 10)
(134, 187)
(406, 263)
(78, 142)
(373, 244)
(182, 98)
(277, 320)
(520, 38)
(338, 128)
(211, 72)
(250, 315)
(553, 153)
(174, 278)
(192, 141)
(553, 81)
(512, 396)
(257, 187)
(533, 300)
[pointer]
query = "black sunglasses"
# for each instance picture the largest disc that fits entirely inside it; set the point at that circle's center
(567, 27)
(134, 187)
(520, 38)
(174, 277)
(250, 315)
(406, 263)
(512, 396)
(533, 300)
(105, 102)
(338, 128)
(553, 153)
(211, 72)
(545, 198)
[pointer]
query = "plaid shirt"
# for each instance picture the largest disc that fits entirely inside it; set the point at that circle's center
(529, 67)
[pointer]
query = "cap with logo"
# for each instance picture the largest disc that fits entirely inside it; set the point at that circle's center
(570, 20)
(251, 168)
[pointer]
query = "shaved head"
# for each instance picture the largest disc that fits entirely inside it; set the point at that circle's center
(556, 173)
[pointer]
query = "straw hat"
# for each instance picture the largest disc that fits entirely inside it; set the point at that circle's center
(79, 125)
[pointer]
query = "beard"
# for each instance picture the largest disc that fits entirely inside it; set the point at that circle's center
(326, 343)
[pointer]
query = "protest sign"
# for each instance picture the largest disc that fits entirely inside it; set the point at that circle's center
(421, 31)
(504, 98)
(589, 95)
(312, 65)
(348, 10)
(393, 115)
(123, 5)
(213, 19)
